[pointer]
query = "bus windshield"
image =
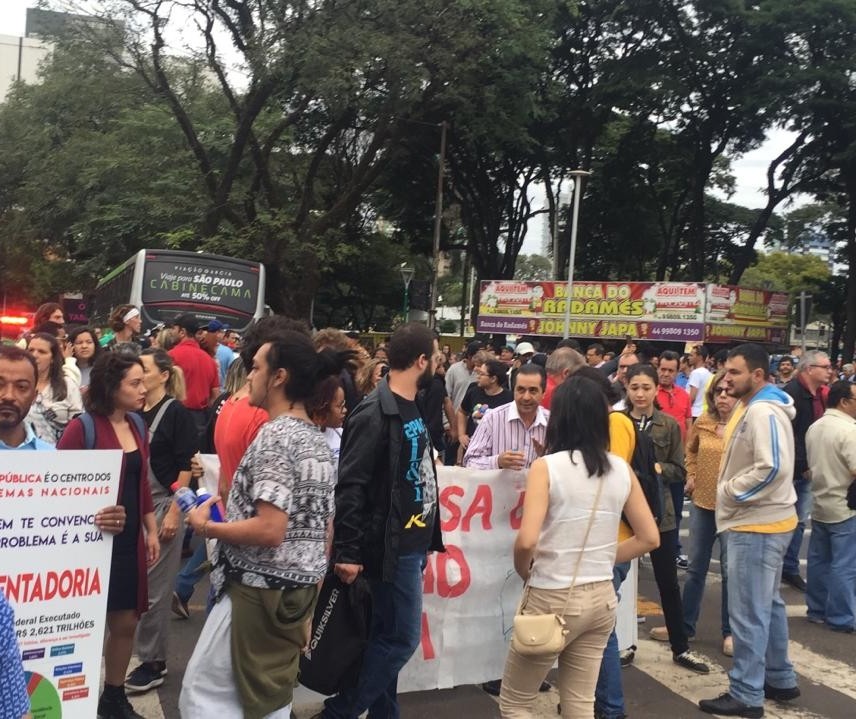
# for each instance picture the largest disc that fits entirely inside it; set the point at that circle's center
(203, 280)
(164, 283)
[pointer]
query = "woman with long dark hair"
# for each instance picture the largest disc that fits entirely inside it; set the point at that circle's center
(642, 381)
(85, 349)
(117, 390)
(271, 554)
(567, 545)
(57, 398)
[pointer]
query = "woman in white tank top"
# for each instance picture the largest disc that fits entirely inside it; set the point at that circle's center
(568, 571)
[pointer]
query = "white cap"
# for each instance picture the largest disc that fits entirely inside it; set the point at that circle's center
(524, 348)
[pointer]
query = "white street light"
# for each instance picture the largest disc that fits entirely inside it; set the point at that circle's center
(578, 176)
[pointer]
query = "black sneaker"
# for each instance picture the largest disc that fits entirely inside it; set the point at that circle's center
(727, 706)
(682, 561)
(179, 606)
(116, 708)
(781, 695)
(794, 580)
(146, 676)
(692, 661)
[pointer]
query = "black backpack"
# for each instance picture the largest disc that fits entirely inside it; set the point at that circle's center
(644, 464)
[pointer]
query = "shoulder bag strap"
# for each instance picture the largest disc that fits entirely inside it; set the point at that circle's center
(159, 417)
(585, 541)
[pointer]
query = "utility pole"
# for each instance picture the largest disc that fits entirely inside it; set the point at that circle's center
(438, 218)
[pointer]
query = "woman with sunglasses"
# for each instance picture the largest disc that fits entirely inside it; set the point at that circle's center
(705, 446)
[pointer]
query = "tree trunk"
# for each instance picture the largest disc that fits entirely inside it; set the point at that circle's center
(850, 326)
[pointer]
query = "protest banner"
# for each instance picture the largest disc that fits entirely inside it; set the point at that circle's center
(55, 571)
(471, 592)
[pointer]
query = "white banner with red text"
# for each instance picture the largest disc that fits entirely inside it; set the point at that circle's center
(471, 592)
(55, 571)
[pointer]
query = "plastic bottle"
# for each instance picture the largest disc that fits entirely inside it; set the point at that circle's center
(184, 497)
(187, 500)
(202, 495)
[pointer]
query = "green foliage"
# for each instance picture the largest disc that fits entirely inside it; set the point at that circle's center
(787, 272)
(535, 268)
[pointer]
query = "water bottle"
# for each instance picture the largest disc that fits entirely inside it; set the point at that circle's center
(187, 499)
(184, 497)
(203, 496)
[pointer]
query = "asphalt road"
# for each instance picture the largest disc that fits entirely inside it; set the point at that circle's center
(654, 686)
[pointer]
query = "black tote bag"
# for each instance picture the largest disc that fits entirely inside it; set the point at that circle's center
(340, 629)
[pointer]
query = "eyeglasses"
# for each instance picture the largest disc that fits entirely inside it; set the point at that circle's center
(720, 390)
(821, 366)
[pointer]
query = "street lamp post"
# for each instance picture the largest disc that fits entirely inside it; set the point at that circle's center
(438, 218)
(578, 176)
(406, 276)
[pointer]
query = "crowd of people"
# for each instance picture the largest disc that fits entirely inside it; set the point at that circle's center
(328, 456)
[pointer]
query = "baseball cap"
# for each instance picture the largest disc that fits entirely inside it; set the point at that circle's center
(473, 347)
(216, 326)
(524, 348)
(188, 322)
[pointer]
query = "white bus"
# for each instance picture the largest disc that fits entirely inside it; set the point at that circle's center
(165, 283)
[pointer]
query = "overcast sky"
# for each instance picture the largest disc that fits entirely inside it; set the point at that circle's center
(749, 170)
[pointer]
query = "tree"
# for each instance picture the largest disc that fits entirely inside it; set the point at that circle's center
(535, 268)
(787, 272)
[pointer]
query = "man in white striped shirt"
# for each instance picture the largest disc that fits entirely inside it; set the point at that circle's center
(512, 436)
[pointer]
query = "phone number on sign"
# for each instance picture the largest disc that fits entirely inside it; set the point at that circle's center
(680, 333)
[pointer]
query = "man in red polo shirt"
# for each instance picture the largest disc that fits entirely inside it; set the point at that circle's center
(673, 400)
(201, 375)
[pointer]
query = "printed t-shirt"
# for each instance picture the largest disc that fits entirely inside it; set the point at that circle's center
(475, 397)
(417, 486)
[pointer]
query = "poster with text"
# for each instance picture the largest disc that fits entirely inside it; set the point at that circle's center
(672, 311)
(55, 571)
(741, 314)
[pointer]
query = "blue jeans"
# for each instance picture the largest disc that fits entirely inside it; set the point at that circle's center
(609, 694)
(831, 594)
(759, 624)
(190, 573)
(702, 538)
(395, 634)
(803, 507)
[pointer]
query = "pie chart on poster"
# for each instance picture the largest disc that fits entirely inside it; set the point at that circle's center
(44, 699)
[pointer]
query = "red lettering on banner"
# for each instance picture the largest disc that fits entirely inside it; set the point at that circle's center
(447, 502)
(516, 515)
(427, 646)
(437, 573)
(444, 589)
(428, 575)
(482, 504)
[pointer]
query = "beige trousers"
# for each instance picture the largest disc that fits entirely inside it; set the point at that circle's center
(590, 617)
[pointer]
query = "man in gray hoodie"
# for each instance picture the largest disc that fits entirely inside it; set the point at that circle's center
(755, 516)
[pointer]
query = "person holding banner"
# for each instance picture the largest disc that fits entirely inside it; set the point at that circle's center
(116, 390)
(566, 548)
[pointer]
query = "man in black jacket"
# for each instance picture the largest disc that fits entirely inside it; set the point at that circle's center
(387, 519)
(809, 389)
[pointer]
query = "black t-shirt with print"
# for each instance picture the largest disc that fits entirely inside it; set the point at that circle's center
(475, 396)
(417, 483)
